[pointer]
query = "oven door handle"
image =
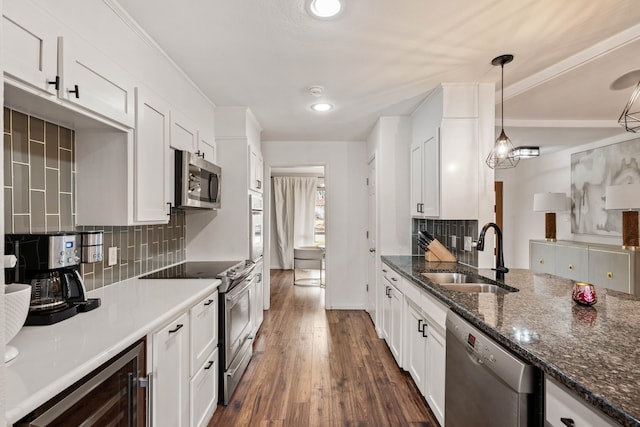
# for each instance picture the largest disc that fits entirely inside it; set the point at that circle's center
(233, 368)
(239, 290)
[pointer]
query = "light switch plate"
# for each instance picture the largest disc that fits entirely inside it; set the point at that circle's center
(468, 243)
(454, 242)
(113, 255)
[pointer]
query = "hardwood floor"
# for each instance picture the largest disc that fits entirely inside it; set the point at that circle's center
(317, 367)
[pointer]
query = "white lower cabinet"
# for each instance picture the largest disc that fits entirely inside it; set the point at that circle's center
(184, 366)
(392, 309)
(204, 391)
(563, 409)
(425, 357)
(170, 367)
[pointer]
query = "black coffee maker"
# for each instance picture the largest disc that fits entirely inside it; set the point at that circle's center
(50, 264)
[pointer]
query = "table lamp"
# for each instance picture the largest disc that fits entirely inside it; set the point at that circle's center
(626, 198)
(550, 203)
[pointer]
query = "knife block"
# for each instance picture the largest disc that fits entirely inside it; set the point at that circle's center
(437, 252)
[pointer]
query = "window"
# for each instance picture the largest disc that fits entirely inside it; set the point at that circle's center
(319, 230)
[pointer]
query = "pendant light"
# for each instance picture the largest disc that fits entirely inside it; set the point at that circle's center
(630, 117)
(503, 155)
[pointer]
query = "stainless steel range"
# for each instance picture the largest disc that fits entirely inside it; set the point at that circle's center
(234, 315)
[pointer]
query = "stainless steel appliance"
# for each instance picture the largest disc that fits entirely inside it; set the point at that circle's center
(113, 395)
(235, 321)
(485, 385)
(255, 227)
(91, 246)
(197, 182)
(49, 263)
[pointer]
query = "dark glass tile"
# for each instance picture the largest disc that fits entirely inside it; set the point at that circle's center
(37, 165)
(38, 224)
(52, 193)
(66, 220)
(7, 161)
(73, 150)
(20, 137)
(86, 269)
(73, 192)
(36, 128)
(53, 223)
(89, 281)
(107, 240)
(65, 171)
(65, 138)
(21, 224)
(51, 143)
(107, 276)
(20, 188)
(137, 268)
(7, 119)
(8, 210)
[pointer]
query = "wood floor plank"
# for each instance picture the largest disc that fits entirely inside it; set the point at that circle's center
(317, 367)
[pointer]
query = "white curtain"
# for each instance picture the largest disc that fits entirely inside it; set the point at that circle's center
(295, 203)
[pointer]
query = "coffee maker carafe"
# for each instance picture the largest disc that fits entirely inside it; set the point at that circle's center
(49, 263)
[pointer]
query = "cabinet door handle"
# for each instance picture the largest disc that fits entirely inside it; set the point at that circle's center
(209, 365)
(259, 184)
(570, 266)
(394, 279)
(424, 331)
(568, 422)
(76, 90)
(55, 82)
(177, 328)
(541, 261)
(386, 290)
(384, 271)
(209, 302)
(420, 325)
(609, 275)
(170, 205)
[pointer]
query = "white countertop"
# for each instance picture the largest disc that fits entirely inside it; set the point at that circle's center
(54, 357)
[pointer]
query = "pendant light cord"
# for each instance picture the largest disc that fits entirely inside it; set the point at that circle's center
(502, 97)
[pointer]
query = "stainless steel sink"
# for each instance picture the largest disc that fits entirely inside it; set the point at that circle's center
(441, 278)
(474, 287)
(464, 283)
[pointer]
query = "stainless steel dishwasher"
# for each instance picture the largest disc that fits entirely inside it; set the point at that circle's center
(485, 385)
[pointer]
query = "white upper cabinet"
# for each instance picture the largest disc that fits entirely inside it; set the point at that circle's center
(38, 57)
(446, 153)
(30, 46)
(152, 164)
(207, 146)
(92, 81)
(184, 133)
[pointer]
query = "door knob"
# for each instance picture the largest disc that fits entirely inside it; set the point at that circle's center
(372, 250)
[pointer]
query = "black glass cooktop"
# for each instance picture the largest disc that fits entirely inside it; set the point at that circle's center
(194, 270)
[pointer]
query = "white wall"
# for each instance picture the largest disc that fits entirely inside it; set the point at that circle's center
(346, 211)
(547, 173)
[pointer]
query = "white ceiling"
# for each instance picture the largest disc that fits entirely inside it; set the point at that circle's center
(381, 57)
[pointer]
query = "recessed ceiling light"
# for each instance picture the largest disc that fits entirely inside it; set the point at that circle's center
(324, 8)
(321, 107)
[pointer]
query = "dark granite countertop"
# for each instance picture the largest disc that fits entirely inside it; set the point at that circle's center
(593, 351)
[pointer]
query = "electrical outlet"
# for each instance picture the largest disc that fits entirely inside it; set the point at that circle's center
(454, 242)
(113, 255)
(468, 242)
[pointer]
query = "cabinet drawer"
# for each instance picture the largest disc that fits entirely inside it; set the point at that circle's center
(391, 275)
(560, 404)
(435, 310)
(572, 262)
(542, 257)
(204, 391)
(204, 330)
(610, 269)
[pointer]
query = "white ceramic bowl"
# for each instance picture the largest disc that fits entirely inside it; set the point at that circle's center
(16, 307)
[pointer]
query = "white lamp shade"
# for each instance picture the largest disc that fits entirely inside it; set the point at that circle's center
(549, 202)
(623, 197)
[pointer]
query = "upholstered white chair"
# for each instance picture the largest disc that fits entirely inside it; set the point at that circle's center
(307, 258)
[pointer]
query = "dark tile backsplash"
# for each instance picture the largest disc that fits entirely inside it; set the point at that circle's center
(443, 230)
(39, 186)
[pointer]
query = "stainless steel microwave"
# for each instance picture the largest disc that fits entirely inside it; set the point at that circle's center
(197, 182)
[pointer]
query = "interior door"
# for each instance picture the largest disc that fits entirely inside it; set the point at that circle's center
(371, 239)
